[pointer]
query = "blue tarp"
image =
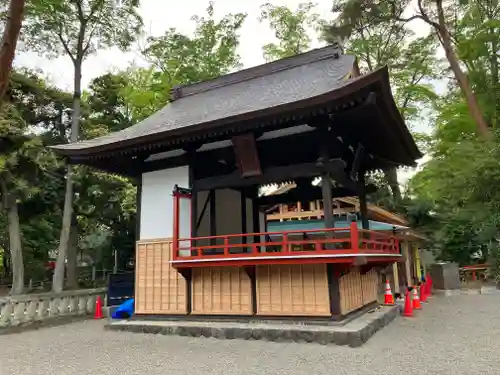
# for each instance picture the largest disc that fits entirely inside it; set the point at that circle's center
(125, 310)
(283, 226)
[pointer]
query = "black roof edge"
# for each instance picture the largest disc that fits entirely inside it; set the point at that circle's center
(380, 75)
(403, 130)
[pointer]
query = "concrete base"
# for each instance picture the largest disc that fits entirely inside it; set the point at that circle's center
(456, 292)
(354, 333)
(107, 311)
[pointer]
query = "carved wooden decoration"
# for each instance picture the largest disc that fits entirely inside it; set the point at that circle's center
(247, 156)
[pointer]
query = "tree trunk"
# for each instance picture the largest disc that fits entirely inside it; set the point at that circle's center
(475, 111)
(58, 279)
(16, 250)
(391, 177)
(495, 78)
(9, 42)
(15, 246)
(71, 276)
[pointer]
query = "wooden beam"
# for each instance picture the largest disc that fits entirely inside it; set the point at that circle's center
(308, 214)
(247, 156)
(274, 174)
(304, 195)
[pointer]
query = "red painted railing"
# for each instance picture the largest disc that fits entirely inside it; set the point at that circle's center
(314, 243)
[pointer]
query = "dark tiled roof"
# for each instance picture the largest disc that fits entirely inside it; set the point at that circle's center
(248, 91)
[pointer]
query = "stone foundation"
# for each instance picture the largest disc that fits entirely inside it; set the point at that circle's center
(354, 333)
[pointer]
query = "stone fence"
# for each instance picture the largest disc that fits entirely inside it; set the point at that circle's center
(31, 308)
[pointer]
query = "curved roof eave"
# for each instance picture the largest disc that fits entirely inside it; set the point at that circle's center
(351, 86)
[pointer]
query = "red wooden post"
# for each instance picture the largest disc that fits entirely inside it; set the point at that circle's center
(354, 236)
(226, 246)
(285, 247)
(175, 239)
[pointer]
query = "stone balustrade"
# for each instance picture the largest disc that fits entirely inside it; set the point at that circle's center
(30, 308)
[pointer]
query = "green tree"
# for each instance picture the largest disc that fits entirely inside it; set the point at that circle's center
(78, 28)
(411, 62)
(178, 59)
(440, 15)
(290, 28)
(24, 162)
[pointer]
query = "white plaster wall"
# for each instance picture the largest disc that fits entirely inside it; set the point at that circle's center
(157, 204)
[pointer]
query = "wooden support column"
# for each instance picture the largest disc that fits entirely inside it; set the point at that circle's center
(255, 215)
(395, 275)
(194, 197)
(326, 186)
(418, 271)
(243, 205)
(138, 196)
(333, 289)
(406, 254)
(251, 271)
(363, 205)
(212, 217)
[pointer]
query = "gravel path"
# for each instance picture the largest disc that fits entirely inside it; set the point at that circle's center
(454, 335)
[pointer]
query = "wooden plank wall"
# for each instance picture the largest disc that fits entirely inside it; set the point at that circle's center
(292, 290)
(357, 290)
(159, 288)
(370, 285)
(221, 290)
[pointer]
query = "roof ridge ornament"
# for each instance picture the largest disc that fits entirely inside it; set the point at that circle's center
(176, 92)
(339, 49)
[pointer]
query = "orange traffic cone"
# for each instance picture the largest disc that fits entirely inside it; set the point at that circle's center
(416, 300)
(388, 297)
(423, 294)
(429, 284)
(98, 308)
(408, 310)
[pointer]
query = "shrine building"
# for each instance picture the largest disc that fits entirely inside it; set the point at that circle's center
(203, 246)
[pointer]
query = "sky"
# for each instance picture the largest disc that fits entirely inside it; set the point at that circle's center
(158, 16)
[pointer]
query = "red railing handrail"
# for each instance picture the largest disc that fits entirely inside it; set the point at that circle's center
(239, 235)
(258, 244)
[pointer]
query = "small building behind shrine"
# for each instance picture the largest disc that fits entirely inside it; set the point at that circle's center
(203, 248)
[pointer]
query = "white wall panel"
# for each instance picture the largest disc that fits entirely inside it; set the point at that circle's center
(157, 203)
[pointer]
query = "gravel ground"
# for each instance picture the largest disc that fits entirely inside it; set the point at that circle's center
(453, 335)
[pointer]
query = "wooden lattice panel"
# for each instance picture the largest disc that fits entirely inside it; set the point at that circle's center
(351, 292)
(159, 288)
(293, 290)
(221, 290)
